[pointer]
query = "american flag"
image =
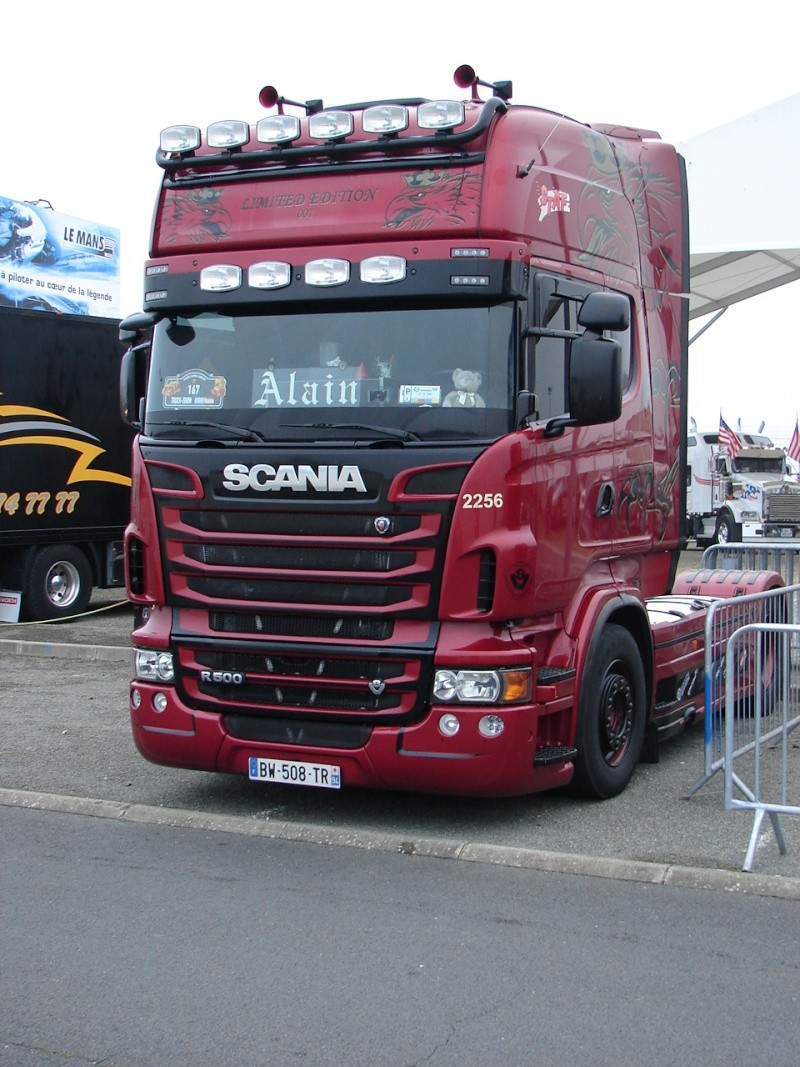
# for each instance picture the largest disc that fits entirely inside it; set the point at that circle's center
(794, 445)
(728, 438)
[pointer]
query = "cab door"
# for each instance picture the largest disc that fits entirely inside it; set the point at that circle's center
(575, 476)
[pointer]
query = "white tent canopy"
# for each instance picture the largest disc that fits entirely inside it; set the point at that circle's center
(744, 208)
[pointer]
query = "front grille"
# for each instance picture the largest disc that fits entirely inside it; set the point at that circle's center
(783, 507)
(352, 561)
(292, 524)
(350, 595)
(298, 665)
(313, 627)
(306, 698)
(300, 559)
(299, 732)
(306, 612)
(304, 681)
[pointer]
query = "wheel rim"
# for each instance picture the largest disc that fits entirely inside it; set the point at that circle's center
(617, 715)
(723, 534)
(63, 584)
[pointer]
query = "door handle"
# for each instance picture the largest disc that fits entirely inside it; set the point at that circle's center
(605, 501)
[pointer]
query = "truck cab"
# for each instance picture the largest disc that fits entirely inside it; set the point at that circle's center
(746, 497)
(409, 387)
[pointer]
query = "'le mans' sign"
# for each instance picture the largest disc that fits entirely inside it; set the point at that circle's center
(55, 262)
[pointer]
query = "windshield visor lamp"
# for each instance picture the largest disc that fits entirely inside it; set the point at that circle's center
(230, 133)
(271, 274)
(330, 125)
(180, 139)
(278, 129)
(150, 665)
(381, 269)
(440, 114)
(482, 687)
(327, 272)
(220, 278)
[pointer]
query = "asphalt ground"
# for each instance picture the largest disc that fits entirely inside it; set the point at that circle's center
(66, 746)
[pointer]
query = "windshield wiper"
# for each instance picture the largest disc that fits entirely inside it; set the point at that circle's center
(384, 431)
(241, 433)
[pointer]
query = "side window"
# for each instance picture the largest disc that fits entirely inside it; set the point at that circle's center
(557, 302)
(548, 355)
(623, 338)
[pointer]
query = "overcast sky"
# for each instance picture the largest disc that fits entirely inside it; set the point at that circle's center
(87, 86)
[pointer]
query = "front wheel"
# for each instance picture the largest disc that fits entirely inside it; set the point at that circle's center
(727, 530)
(58, 583)
(611, 716)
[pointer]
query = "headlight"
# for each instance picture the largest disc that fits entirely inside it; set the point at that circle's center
(482, 687)
(152, 666)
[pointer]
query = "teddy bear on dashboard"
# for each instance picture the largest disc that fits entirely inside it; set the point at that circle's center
(467, 383)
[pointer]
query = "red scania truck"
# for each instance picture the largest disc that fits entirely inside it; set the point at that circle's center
(408, 487)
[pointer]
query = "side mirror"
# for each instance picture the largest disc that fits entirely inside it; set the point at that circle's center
(595, 362)
(132, 379)
(595, 380)
(605, 311)
(135, 326)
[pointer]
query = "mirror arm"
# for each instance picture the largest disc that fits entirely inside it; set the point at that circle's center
(555, 427)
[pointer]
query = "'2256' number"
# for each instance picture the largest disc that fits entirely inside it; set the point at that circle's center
(482, 500)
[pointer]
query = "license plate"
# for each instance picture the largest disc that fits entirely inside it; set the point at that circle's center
(293, 772)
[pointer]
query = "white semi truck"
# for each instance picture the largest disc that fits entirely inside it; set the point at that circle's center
(749, 497)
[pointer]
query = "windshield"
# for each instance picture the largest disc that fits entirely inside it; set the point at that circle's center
(759, 465)
(435, 373)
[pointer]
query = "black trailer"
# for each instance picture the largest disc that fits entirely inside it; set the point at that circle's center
(64, 460)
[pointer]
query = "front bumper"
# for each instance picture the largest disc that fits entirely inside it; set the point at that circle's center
(417, 758)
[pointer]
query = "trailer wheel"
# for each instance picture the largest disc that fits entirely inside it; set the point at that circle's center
(727, 530)
(58, 583)
(611, 716)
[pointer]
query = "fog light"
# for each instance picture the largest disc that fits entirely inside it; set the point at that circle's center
(449, 724)
(136, 698)
(160, 702)
(491, 726)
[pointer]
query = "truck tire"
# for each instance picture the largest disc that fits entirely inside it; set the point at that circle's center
(727, 530)
(58, 583)
(611, 716)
